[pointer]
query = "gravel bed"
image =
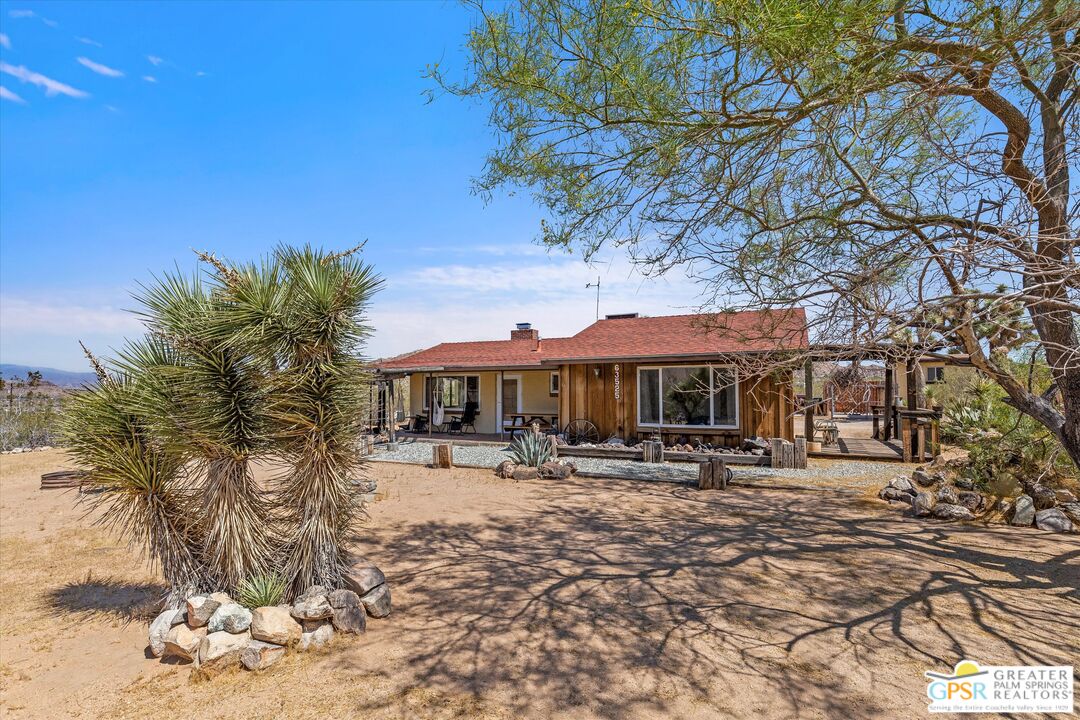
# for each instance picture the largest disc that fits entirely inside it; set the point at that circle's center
(844, 474)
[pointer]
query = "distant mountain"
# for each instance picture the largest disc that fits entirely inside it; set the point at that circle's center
(63, 378)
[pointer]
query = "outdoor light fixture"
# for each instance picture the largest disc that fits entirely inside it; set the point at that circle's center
(596, 370)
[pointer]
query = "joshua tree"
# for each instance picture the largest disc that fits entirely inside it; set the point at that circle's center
(260, 361)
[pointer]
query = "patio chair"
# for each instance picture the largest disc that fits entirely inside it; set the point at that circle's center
(467, 420)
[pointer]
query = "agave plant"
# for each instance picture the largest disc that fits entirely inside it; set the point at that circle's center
(531, 449)
(262, 590)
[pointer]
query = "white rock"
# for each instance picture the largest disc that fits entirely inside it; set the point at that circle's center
(317, 633)
(199, 610)
(312, 607)
(160, 627)
(377, 601)
(230, 617)
(183, 642)
(222, 648)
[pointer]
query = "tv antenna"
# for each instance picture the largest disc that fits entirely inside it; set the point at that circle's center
(597, 286)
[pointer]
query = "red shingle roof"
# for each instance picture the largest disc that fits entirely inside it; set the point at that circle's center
(624, 338)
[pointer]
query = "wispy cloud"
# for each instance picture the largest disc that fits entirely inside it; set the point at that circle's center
(51, 87)
(200, 73)
(99, 68)
(6, 94)
(23, 14)
(155, 60)
(88, 41)
(69, 319)
(149, 78)
(5, 41)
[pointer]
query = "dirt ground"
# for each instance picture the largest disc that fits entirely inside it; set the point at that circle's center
(579, 599)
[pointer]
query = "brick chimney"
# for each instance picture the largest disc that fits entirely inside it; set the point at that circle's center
(525, 331)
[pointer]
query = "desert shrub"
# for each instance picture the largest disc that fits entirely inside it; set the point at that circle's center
(262, 590)
(29, 414)
(530, 449)
(1004, 445)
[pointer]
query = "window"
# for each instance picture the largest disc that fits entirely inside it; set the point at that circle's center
(453, 390)
(553, 387)
(935, 375)
(678, 395)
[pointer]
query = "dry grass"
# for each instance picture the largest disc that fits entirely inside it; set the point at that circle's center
(580, 599)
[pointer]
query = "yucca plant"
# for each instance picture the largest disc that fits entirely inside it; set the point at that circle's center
(531, 449)
(142, 490)
(262, 590)
(205, 400)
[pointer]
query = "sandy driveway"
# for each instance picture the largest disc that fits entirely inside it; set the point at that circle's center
(578, 599)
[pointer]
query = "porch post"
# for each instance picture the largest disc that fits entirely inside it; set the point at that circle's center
(808, 393)
(391, 404)
(431, 405)
(499, 406)
(890, 403)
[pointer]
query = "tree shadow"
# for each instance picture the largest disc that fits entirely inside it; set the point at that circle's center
(741, 602)
(106, 598)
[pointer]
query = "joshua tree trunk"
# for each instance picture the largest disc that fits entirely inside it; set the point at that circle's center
(237, 520)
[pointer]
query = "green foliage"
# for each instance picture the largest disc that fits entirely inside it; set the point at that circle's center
(262, 590)
(530, 449)
(259, 361)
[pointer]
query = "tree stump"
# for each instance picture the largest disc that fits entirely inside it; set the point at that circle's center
(788, 455)
(777, 452)
(554, 446)
(442, 456)
(713, 474)
(652, 451)
(800, 453)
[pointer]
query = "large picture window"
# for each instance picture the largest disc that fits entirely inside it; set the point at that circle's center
(684, 395)
(454, 390)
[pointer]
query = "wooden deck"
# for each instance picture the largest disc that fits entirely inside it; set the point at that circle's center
(862, 449)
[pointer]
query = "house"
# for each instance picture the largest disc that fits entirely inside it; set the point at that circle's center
(630, 376)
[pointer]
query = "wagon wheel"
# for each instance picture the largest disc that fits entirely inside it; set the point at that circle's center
(581, 431)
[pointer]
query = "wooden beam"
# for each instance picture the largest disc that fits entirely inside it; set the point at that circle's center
(808, 393)
(888, 431)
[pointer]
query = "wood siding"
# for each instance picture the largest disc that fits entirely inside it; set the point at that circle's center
(766, 404)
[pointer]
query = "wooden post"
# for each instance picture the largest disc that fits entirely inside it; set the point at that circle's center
(912, 373)
(800, 453)
(777, 452)
(718, 470)
(442, 455)
(704, 475)
(889, 431)
(392, 402)
(808, 393)
(905, 438)
(935, 438)
(652, 451)
(554, 447)
(920, 440)
(789, 455)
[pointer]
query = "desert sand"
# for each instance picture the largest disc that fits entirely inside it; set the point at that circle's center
(577, 599)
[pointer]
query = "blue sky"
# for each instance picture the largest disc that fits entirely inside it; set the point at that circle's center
(133, 132)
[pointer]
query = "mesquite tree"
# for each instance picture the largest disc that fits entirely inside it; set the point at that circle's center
(261, 361)
(902, 169)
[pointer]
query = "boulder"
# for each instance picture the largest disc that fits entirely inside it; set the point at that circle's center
(314, 607)
(525, 473)
(894, 495)
(1023, 511)
(199, 610)
(317, 633)
(948, 496)
(949, 511)
(313, 591)
(923, 504)
(363, 576)
(160, 627)
(377, 601)
(221, 649)
(259, 655)
(554, 470)
(903, 484)
(183, 641)
(965, 483)
(756, 443)
(1053, 519)
(221, 598)
(1042, 496)
(505, 469)
(973, 501)
(923, 478)
(614, 440)
(230, 617)
(349, 615)
(1065, 496)
(1072, 511)
(274, 625)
